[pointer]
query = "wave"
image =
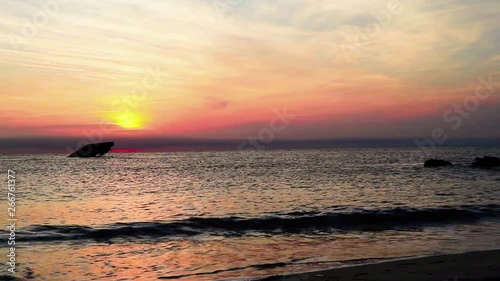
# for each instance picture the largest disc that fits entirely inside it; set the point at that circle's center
(291, 223)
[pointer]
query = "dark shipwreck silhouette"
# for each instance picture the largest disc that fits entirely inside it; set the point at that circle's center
(93, 150)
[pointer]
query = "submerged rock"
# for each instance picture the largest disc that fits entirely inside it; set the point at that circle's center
(487, 162)
(93, 150)
(436, 163)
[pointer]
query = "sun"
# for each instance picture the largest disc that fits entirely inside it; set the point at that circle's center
(129, 120)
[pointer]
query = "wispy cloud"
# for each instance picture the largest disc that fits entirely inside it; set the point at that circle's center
(258, 56)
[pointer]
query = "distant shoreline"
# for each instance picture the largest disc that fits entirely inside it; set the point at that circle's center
(471, 266)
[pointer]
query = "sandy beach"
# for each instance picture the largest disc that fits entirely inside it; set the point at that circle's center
(472, 266)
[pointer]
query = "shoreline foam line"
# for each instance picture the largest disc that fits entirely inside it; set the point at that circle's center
(472, 266)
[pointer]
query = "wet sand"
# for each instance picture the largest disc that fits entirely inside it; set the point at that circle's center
(472, 266)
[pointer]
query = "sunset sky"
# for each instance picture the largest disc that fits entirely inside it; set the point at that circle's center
(222, 69)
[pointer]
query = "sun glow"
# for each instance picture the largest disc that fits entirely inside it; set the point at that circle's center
(129, 120)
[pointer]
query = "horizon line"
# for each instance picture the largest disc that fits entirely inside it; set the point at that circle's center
(69, 144)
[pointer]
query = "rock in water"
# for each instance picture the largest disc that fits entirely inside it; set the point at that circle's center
(93, 150)
(487, 162)
(436, 163)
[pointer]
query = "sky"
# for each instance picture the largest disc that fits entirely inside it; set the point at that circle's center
(241, 69)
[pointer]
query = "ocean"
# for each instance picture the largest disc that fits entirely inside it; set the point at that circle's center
(227, 215)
